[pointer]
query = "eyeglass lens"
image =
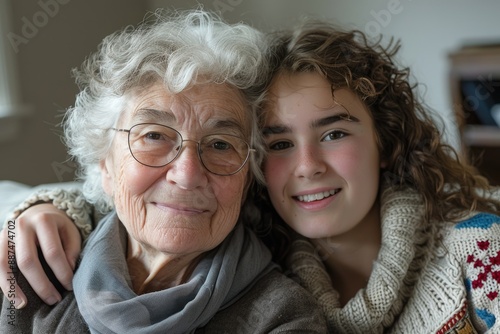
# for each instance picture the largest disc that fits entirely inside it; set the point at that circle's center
(157, 145)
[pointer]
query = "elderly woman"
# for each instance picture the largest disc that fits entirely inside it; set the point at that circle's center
(163, 130)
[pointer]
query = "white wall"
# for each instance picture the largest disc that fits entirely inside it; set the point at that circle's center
(428, 29)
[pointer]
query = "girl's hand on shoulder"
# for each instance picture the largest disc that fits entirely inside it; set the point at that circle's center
(49, 229)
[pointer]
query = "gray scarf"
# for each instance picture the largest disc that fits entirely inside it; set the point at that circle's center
(108, 304)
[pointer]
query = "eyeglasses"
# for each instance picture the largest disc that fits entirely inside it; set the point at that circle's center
(157, 145)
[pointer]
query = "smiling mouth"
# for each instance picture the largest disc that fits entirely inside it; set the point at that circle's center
(317, 197)
(184, 209)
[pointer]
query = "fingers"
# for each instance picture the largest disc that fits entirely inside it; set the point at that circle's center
(72, 244)
(28, 259)
(8, 280)
(60, 246)
(41, 226)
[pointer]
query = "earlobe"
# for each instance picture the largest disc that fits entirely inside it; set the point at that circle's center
(106, 179)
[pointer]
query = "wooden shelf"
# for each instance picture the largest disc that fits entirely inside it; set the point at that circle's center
(480, 135)
(480, 142)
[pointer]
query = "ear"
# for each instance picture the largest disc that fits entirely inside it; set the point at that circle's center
(106, 175)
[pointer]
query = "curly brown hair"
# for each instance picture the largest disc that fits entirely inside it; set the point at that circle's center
(408, 137)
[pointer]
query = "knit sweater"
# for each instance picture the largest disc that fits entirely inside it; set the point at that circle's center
(428, 278)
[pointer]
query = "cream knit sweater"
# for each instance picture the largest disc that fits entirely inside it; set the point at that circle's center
(443, 278)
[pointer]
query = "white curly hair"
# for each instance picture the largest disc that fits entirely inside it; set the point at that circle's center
(182, 49)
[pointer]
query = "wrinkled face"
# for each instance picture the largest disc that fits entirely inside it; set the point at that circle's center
(322, 168)
(180, 208)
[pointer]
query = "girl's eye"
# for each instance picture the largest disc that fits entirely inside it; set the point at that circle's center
(279, 146)
(334, 135)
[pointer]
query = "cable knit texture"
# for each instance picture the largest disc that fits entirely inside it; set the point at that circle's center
(70, 201)
(428, 278)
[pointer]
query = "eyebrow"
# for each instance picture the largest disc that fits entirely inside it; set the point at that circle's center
(225, 124)
(147, 115)
(279, 129)
(333, 119)
(153, 115)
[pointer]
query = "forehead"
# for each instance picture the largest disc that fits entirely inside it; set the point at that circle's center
(204, 104)
(297, 91)
(310, 93)
(302, 83)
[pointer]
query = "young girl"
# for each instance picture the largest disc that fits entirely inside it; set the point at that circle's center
(373, 214)
(391, 232)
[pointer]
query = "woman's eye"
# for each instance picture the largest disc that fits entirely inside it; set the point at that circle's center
(334, 135)
(279, 146)
(221, 145)
(153, 136)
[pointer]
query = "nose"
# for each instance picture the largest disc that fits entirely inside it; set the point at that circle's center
(309, 163)
(186, 170)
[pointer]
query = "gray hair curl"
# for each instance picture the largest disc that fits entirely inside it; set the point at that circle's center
(182, 49)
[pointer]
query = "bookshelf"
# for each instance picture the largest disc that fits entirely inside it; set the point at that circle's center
(475, 91)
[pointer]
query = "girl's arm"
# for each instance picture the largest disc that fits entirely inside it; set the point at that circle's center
(42, 224)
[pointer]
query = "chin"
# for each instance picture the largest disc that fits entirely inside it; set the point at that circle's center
(310, 233)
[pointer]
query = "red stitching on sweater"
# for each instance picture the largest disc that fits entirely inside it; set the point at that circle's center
(478, 263)
(486, 267)
(483, 245)
(492, 295)
(496, 276)
(495, 259)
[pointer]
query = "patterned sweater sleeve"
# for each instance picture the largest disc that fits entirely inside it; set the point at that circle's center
(477, 245)
(70, 201)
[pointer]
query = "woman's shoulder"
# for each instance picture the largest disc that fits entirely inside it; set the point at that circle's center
(279, 289)
(38, 317)
(275, 303)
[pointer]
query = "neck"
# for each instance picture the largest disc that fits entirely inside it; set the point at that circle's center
(349, 257)
(151, 270)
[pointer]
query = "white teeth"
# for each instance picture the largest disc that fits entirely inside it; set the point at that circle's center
(316, 197)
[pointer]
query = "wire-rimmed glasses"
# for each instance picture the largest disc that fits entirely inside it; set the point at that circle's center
(157, 145)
